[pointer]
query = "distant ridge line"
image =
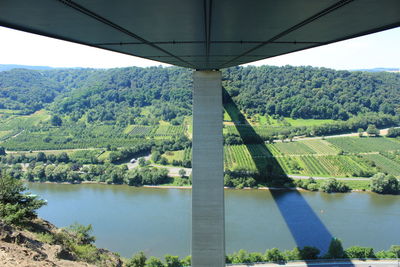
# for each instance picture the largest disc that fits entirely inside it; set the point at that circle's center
(378, 70)
(6, 67)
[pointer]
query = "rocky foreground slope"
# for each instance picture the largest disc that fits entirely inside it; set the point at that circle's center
(40, 247)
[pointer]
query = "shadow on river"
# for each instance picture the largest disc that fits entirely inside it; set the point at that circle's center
(294, 212)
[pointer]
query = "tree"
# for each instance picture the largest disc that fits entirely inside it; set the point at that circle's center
(133, 178)
(2, 151)
(396, 250)
(41, 157)
(73, 176)
(82, 233)
(63, 157)
(156, 156)
(292, 255)
(240, 257)
(172, 261)
(142, 162)
(187, 261)
(60, 173)
(274, 255)
(360, 132)
(357, 252)
(335, 250)
(116, 176)
(56, 120)
(393, 132)
(154, 262)
(39, 173)
(332, 185)
(372, 130)
(309, 253)
(228, 180)
(16, 206)
(182, 173)
(384, 184)
(163, 161)
(137, 260)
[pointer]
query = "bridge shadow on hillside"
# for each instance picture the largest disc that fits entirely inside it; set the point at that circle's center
(304, 224)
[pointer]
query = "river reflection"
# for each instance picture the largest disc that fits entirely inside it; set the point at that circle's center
(157, 221)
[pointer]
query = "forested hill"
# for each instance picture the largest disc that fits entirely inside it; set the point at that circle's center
(26, 90)
(306, 92)
(123, 94)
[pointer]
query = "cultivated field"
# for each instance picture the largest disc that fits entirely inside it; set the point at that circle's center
(294, 148)
(385, 164)
(365, 144)
(321, 147)
(320, 157)
(140, 130)
(169, 130)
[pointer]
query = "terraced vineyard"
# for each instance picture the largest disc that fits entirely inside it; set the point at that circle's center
(387, 165)
(6, 134)
(159, 131)
(312, 158)
(187, 154)
(285, 163)
(238, 157)
(273, 150)
(312, 166)
(230, 129)
(321, 147)
(140, 130)
(265, 132)
(16, 123)
(242, 130)
(340, 165)
(258, 150)
(242, 156)
(252, 131)
(294, 148)
(363, 145)
(169, 130)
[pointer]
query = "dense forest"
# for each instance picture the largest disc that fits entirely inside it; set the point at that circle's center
(119, 95)
(26, 90)
(307, 92)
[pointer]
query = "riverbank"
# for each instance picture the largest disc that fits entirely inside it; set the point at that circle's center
(43, 244)
(127, 219)
(349, 263)
(170, 186)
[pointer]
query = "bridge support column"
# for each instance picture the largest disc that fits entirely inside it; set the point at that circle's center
(208, 223)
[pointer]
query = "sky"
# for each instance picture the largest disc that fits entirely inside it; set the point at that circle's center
(379, 50)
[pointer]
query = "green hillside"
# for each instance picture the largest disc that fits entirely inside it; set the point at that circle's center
(90, 116)
(108, 95)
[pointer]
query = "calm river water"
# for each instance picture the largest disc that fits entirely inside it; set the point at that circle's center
(157, 221)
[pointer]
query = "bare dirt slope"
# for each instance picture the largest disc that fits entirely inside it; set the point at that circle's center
(23, 249)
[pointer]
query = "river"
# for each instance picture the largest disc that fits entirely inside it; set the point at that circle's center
(157, 221)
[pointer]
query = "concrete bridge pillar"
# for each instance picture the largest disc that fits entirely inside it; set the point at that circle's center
(208, 222)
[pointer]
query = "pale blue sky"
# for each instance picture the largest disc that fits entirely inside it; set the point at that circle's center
(371, 51)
